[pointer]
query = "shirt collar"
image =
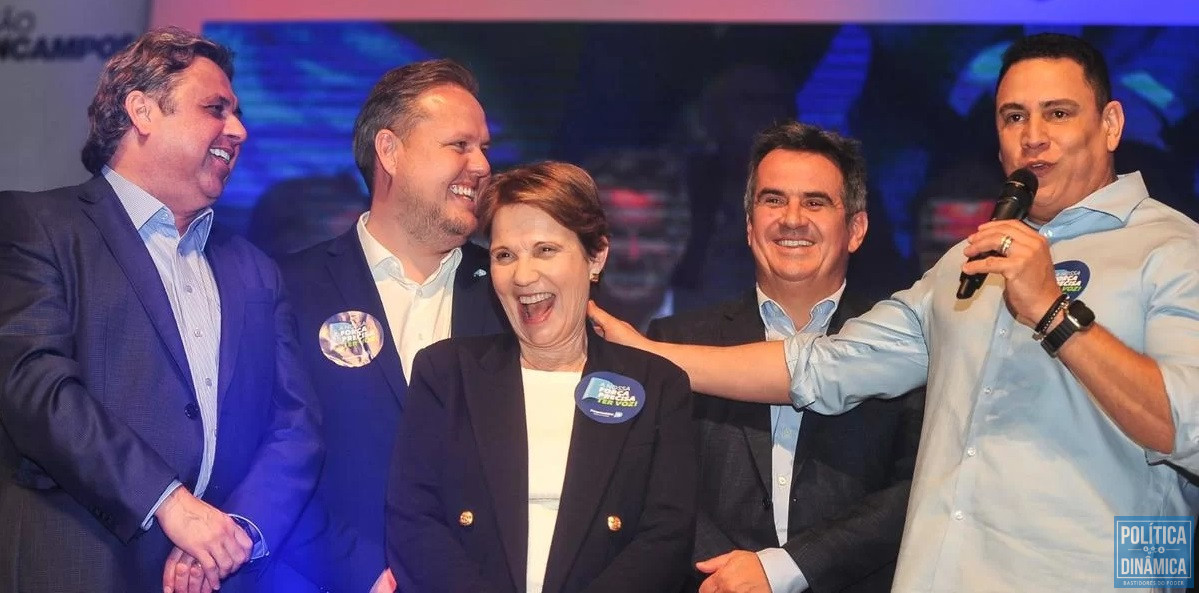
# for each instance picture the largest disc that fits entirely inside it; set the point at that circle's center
(774, 316)
(149, 214)
(1115, 200)
(384, 264)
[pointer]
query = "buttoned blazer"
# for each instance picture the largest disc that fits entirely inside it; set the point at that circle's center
(338, 545)
(98, 413)
(851, 474)
(627, 507)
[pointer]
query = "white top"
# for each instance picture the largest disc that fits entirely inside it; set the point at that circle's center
(549, 416)
(417, 314)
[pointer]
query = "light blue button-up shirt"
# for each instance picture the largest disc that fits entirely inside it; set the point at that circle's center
(781, 571)
(195, 304)
(1020, 474)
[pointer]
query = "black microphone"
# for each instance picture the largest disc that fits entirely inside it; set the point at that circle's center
(1014, 201)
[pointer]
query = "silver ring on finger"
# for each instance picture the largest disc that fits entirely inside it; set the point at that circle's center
(1004, 245)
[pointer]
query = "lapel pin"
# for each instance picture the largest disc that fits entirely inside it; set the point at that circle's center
(466, 519)
(479, 273)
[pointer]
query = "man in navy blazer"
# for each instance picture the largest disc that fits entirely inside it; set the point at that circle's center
(154, 418)
(790, 499)
(404, 277)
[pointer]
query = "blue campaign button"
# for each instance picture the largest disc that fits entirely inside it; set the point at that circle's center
(609, 398)
(1072, 277)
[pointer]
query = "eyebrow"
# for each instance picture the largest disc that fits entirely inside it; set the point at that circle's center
(807, 194)
(1013, 106)
(225, 102)
(1059, 103)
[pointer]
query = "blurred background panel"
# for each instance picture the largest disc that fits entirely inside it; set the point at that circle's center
(918, 96)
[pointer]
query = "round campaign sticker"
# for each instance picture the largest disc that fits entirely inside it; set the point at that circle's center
(609, 398)
(1072, 277)
(351, 338)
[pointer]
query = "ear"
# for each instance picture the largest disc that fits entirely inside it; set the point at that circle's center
(858, 224)
(1113, 124)
(141, 109)
(749, 231)
(387, 150)
(596, 264)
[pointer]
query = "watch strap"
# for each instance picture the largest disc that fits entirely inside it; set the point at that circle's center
(1078, 317)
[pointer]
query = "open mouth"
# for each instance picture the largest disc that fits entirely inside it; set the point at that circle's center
(1038, 167)
(224, 155)
(535, 308)
(793, 243)
(463, 191)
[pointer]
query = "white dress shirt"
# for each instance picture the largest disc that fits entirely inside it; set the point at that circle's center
(418, 314)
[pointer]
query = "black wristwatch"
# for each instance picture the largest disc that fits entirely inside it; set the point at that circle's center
(1078, 317)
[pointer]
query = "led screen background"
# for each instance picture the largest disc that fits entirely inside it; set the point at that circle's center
(919, 97)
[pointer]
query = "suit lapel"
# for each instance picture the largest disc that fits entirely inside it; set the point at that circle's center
(348, 268)
(743, 324)
(233, 307)
(497, 416)
(813, 423)
(594, 451)
(103, 207)
(473, 312)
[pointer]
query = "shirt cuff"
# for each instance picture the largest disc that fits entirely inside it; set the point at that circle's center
(148, 522)
(793, 349)
(781, 571)
(259, 550)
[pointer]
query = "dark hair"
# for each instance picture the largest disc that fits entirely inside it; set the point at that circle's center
(845, 153)
(392, 104)
(1059, 46)
(152, 64)
(562, 190)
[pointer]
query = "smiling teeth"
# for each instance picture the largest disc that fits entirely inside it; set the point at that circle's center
(459, 190)
(795, 243)
(530, 299)
(222, 154)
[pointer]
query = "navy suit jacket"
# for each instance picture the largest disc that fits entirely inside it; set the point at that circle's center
(338, 545)
(97, 406)
(463, 447)
(850, 481)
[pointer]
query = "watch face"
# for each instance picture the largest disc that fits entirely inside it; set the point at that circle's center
(1081, 313)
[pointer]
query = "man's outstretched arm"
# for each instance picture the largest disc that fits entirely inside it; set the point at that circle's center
(752, 372)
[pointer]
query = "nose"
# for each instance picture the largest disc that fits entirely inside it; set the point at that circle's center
(524, 271)
(235, 130)
(794, 215)
(1034, 134)
(478, 165)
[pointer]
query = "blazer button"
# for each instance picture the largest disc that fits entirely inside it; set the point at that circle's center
(466, 519)
(191, 410)
(614, 523)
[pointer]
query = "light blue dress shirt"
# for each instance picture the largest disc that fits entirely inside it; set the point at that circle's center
(781, 571)
(1020, 473)
(195, 304)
